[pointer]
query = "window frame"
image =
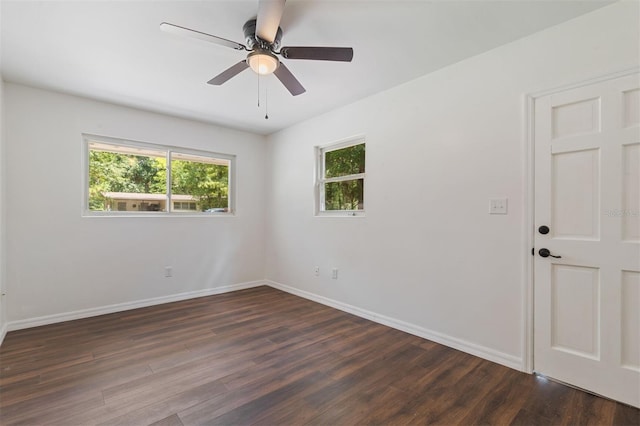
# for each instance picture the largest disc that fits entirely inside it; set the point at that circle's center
(320, 167)
(168, 150)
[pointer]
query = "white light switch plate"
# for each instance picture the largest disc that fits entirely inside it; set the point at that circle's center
(498, 206)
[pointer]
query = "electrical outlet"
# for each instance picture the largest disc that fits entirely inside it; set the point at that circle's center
(498, 206)
(334, 274)
(316, 271)
(168, 271)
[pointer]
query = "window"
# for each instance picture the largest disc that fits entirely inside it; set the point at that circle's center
(132, 177)
(341, 174)
(184, 206)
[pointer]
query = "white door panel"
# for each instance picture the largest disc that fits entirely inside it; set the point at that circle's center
(587, 191)
(631, 192)
(630, 320)
(575, 187)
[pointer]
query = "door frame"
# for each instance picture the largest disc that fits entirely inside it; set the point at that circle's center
(528, 312)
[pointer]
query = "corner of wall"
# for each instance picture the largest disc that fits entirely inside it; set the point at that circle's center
(3, 310)
(220, 251)
(266, 216)
(463, 345)
(125, 306)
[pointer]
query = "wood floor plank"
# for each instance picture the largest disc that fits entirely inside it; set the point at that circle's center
(625, 415)
(165, 408)
(254, 411)
(91, 378)
(39, 410)
(364, 407)
(552, 403)
(174, 380)
(502, 405)
(172, 420)
(264, 357)
(219, 406)
(19, 371)
(589, 410)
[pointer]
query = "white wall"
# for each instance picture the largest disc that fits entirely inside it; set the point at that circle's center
(3, 310)
(428, 255)
(60, 262)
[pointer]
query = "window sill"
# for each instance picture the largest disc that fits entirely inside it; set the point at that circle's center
(148, 215)
(343, 214)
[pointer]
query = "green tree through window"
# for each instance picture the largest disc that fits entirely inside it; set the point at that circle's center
(208, 183)
(134, 178)
(342, 181)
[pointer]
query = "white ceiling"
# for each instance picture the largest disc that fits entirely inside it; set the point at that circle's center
(114, 50)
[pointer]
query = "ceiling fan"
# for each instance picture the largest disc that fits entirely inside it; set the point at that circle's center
(262, 37)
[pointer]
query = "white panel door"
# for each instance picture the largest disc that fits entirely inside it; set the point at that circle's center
(587, 193)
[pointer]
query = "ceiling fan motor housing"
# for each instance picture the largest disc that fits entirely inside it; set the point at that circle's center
(255, 42)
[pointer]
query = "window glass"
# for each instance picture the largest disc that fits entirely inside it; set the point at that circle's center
(137, 178)
(344, 161)
(205, 179)
(345, 195)
(341, 177)
(124, 179)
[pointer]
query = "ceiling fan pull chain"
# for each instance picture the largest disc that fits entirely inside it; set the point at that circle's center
(258, 90)
(266, 101)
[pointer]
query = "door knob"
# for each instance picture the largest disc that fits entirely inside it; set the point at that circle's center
(546, 253)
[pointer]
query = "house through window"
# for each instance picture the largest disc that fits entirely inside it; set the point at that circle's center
(125, 176)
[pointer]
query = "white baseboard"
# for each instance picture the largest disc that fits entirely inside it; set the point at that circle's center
(507, 360)
(3, 332)
(119, 307)
(453, 342)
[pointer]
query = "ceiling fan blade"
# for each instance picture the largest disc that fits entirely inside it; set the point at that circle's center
(289, 81)
(268, 20)
(229, 73)
(343, 54)
(182, 31)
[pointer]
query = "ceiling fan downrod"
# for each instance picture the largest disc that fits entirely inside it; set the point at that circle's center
(253, 42)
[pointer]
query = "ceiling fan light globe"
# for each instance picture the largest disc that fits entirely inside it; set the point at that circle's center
(263, 62)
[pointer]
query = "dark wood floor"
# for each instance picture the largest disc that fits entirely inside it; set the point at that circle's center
(261, 356)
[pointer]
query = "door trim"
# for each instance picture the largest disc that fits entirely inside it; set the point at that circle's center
(527, 341)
